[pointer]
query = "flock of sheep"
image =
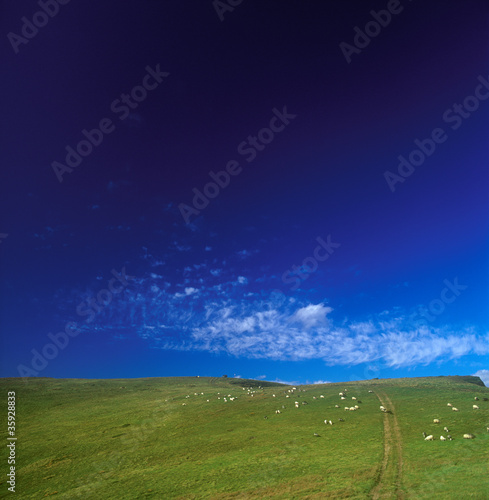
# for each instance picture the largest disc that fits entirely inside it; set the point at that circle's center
(448, 437)
(251, 392)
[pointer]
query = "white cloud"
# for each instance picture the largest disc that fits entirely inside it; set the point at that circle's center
(312, 315)
(226, 319)
(483, 375)
(321, 382)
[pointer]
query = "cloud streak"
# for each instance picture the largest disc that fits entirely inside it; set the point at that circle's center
(226, 318)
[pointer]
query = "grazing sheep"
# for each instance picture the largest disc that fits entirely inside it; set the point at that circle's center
(455, 409)
(273, 395)
(330, 422)
(342, 419)
(436, 421)
(336, 406)
(475, 407)
(370, 391)
(443, 438)
(356, 406)
(341, 394)
(353, 397)
(278, 411)
(321, 396)
(343, 397)
(429, 438)
(353, 408)
(476, 398)
(424, 434)
(469, 436)
(265, 417)
(316, 435)
(449, 404)
(446, 429)
(449, 437)
(314, 397)
(346, 408)
(184, 404)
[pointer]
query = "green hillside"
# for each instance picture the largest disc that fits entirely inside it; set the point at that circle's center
(162, 438)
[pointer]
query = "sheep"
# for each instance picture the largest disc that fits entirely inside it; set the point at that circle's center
(475, 407)
(449, 404)
(342, 419)
(356, 406)
(381, 407)
(346, 408)
(353, 408)
(449, 437)
(316, 435)
(336, 406)
(469, 436)
(330, 422)
(353, 397)
(341, 394)
(273, 395)
(278, 411)
(446, 429)
(443, 438)
(314, 397)
(343, 397)
(429, 438)
(321, 396)
(476, 398)
(424, 434)
(184, 404)
(455, 409)
(326, 422)
(371, 391)
(436, 420)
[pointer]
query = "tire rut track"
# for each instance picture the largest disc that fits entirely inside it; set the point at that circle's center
(392, 446)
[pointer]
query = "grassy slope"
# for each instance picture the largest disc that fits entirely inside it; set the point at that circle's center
(94, 439)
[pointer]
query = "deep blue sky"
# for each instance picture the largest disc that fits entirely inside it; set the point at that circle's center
(239, 287)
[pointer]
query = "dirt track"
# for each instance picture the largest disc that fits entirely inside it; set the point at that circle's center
(392, 462)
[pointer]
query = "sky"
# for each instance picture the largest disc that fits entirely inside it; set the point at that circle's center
(285, 191)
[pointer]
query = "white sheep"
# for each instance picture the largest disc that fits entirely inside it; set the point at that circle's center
(330, 422)
(277, 411)
(476, 398)
(436, 421)
(446, 429)
(429, 438)
(455, 409)
(475, 407)
(370, 391)
(449, 404)
(469, 436)
(321, 396)
(340, 394)
(443, 438)
(346, 408)
(353, 397)
(343, 397)
(336, 406)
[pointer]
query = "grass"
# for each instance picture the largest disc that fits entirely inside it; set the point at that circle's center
(135, 438)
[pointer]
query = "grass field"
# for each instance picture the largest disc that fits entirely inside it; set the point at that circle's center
(160, 438)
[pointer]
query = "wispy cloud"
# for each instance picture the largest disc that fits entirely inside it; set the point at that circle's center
(227, 318)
